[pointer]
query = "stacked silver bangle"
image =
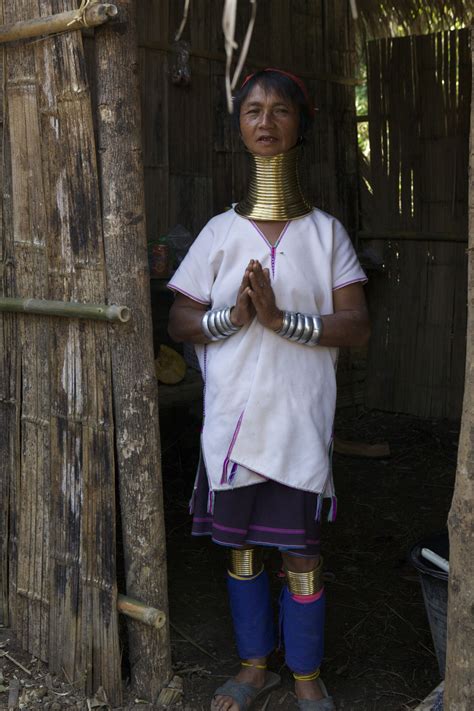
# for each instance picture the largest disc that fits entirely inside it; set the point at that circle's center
(217, 325)
(301, 328)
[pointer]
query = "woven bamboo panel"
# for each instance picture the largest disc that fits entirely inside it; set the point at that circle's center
(419, 108)
(56, 466)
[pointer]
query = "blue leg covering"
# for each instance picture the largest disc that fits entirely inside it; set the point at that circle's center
(251, 609)
(303, 632)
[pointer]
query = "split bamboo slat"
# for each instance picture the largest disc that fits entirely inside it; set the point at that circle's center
(30, 475)
(63, 594)
(135, 386)
(414, 217)
(8, 358)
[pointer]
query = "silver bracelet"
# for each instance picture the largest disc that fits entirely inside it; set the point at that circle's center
(301, 328)
(216, 324)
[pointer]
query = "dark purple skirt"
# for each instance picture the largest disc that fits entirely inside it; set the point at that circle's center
(268, 514)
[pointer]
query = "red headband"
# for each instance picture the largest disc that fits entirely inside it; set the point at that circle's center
(294, 78)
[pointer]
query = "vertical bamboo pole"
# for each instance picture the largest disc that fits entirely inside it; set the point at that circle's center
(135, 387)
(459, 686)
(7, 354)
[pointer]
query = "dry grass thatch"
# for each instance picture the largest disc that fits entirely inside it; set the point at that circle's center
(383, 18)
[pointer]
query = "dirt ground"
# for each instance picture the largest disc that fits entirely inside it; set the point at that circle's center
(379, 653)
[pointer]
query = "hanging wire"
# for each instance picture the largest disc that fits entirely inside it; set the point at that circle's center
(245, 45)
(178, 34)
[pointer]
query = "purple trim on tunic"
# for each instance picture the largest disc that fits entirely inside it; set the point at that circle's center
(185, 293)
(347, 283)
(273, 247)
(228, 528)
(229, 451)
(294, 531)
(267, 514)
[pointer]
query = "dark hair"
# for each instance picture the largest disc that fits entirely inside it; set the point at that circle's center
(281, 84)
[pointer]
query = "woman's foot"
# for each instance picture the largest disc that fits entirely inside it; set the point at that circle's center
(308, 690)
(247, 675)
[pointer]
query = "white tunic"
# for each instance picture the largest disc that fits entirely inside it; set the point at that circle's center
(269, 403)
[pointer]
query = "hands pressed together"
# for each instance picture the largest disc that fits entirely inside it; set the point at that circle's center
(256, 298)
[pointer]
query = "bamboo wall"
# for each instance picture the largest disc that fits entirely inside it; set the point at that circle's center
(56, 459)
(414, 219)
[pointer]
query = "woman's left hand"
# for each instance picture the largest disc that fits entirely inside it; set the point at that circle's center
(263, 298)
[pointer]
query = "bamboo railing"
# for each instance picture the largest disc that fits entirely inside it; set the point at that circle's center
(91, 16)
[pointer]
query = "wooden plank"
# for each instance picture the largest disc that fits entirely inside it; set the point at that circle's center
(135, 393)
(190, 201)
(155, 80)
(157, 202)
(190, 138)
(153, 21)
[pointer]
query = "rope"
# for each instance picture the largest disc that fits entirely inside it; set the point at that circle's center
(228, 27)
(355, 14)
(81, 13)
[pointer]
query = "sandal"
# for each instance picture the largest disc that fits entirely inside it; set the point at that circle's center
(244, 694)
(326, 704)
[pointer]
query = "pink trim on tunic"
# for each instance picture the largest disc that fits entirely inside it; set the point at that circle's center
(364, 280)
(185, 293)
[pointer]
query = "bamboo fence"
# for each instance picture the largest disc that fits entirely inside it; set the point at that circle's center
(414, 218)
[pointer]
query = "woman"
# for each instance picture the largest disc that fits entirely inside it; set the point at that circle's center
(267, 293)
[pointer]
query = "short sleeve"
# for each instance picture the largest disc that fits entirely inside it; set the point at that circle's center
(195, 275)
(346, 268)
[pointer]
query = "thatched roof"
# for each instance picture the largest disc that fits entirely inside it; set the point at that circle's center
(383, 18)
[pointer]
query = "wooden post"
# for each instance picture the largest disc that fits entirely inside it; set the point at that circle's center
(459, 685)
(135, 385)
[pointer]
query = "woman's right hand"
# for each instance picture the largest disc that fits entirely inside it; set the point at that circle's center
(244, 311)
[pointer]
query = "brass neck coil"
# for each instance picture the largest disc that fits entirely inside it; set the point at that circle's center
(274, 191)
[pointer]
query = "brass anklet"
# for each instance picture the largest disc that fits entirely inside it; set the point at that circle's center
(307, 677)
(308, 583)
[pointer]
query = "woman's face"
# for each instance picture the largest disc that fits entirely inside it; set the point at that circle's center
(269, 124)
